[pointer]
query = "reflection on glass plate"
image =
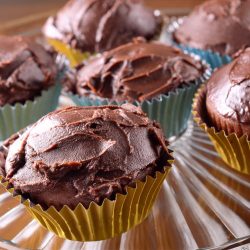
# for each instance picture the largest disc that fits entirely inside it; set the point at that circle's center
(202, 204)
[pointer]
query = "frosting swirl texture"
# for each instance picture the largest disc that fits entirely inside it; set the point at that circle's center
(228, 95)
(26, 69)
(135, 71)
(84, 154)
(96, 26)
(220, 25)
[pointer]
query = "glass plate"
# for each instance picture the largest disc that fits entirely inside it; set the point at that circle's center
(202, 204)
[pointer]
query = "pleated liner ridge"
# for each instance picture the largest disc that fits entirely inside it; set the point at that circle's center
(233, 150)
(99, 222)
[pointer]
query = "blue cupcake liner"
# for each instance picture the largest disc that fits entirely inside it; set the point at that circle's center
(15, 117)
(213, 58)
(172, 110)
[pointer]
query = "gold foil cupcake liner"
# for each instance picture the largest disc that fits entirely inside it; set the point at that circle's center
(100, 222)
(234, 150)
(73, 55)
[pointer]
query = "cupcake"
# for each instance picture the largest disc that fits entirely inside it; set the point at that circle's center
(151, 75)
(28, 88)
(222, 108)
(215, 30)
(88, 173)
(84, 27)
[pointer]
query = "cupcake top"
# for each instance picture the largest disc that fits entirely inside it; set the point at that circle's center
(228, 92)
(96, 26)
(220, 25)
(135, 71)
(26, 69)
(84, 154)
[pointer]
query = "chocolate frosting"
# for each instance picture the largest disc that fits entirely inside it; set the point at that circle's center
(135, 71)
(26, 69)
(84, 154)
(220, 25)
(228, 95)
(96, 26)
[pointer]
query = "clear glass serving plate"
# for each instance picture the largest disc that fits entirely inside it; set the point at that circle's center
(203, 204)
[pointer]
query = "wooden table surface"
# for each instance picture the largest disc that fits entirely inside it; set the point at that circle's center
(18, 15)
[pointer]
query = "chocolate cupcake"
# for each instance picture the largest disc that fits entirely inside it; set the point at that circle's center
(228, 96)
(224, 106)
(152, 75)
(93, 26)
(78, 162)
(221, 27)
(28, 88)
